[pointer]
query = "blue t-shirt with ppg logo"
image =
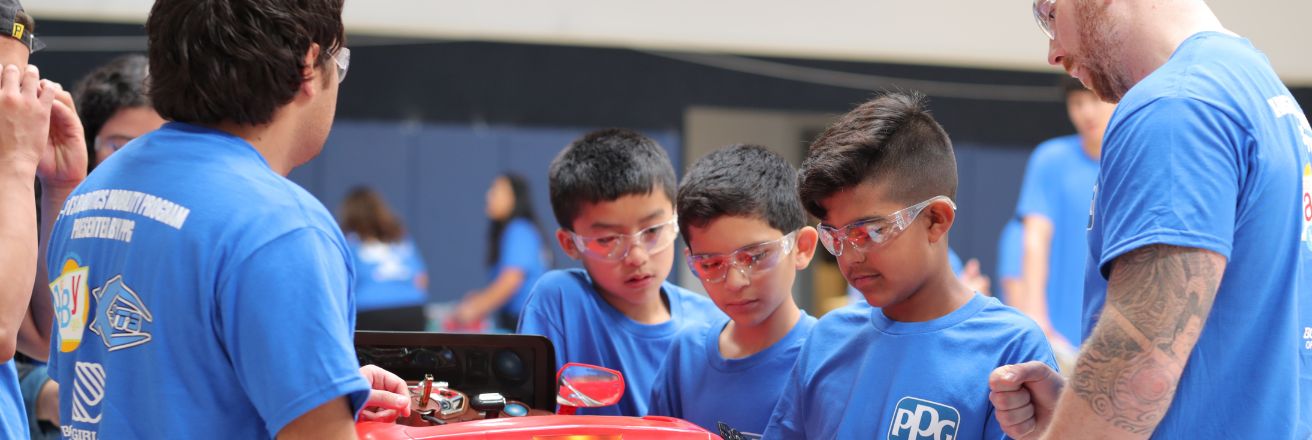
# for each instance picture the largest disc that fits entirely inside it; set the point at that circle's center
(198, 294)
(1211, 151)
(862, 375)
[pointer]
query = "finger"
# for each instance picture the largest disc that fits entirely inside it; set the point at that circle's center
(1019, 430)
(1014, 416)
(11, 79)
(49, 89)
(385, 414)
(1012, 377)
(31, 81)
(388, 400)
(1009, 400)
(60, 94)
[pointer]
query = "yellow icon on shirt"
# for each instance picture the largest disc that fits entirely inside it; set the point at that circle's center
(69, 296)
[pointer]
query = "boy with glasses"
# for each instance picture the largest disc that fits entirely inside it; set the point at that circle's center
(747, 238)
(612, 192)
(912, 362)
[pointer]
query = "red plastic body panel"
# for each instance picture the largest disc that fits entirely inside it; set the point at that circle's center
(543, 427)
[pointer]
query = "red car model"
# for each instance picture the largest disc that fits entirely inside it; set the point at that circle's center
(467, 386)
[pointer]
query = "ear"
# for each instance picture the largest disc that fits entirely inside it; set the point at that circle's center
(807, 239)
(310, 76)
(941, 216)
(567, 244)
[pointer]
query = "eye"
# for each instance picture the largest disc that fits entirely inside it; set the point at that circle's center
(605, 241)
(710, 264)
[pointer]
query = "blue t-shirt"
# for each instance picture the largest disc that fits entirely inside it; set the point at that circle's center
(565, 307)
(13, 417)
(385, 274)
(697, 384)
(198, 294)
(862, 375)
(521, 248)
(1210, 151)
(1010, 243)
(1058, 185)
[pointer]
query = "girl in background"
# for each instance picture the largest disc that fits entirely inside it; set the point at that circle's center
(516, 256)
(391, 283)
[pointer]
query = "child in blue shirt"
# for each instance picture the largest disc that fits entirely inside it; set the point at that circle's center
(612, 192)
(747, 238)
(912, 362)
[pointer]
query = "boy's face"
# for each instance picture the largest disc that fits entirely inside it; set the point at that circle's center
(634, 277)
(752, 298)
(889, 273)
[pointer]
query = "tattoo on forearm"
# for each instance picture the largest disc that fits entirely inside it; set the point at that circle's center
(1158, 299)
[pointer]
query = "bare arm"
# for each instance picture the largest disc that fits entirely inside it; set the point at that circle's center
(1035, 255)
(1158, 299)
(24, 129)
(481, 303)
(330, 421)
(63, 166)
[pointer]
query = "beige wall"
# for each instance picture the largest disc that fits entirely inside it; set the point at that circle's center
(976, 33)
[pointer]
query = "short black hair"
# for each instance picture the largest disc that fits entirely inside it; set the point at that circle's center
(603, 166)
(741, 181)
(117, 85)
(891, 140)
(235, 61)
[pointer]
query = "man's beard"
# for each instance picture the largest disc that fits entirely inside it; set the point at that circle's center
(1101, 46)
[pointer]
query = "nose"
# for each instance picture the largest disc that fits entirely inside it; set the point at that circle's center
(1055, 53)
(736, 279)
(634, 255)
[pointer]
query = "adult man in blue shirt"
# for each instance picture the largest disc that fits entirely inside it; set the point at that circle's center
(198, 293)
(1199, 252)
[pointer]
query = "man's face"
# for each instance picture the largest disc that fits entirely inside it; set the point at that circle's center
(13, 52)
(1088, 43)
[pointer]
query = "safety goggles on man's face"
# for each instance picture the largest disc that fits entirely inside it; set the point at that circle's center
(865, 235)
(653, 239)
(714, 268)
(1045, 13)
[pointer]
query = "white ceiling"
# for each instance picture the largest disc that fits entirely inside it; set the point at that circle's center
(972, 33)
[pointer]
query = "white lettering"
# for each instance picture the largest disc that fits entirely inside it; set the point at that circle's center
(103, 227)
(77, 434)
(132, 202)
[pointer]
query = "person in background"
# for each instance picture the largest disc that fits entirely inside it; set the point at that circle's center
(516, 257)
(1008, 268)
(114, 107)
(1054, 211)
(391, 282)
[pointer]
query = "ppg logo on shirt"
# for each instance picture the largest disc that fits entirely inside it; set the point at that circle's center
(916, 419)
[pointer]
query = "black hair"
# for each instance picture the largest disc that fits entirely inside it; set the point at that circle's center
(891, 140)
(237, 61)
(523, 209)
(117, 85)
(603, 166)
(741, 181)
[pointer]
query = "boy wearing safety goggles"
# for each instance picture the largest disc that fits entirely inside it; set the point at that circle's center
(612, 192)
(914, 361)
(747, 238)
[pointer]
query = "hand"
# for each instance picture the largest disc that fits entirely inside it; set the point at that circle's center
(64, 160)
(1024, 397)
(466, 314)
(389, 396)
(24, 117)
